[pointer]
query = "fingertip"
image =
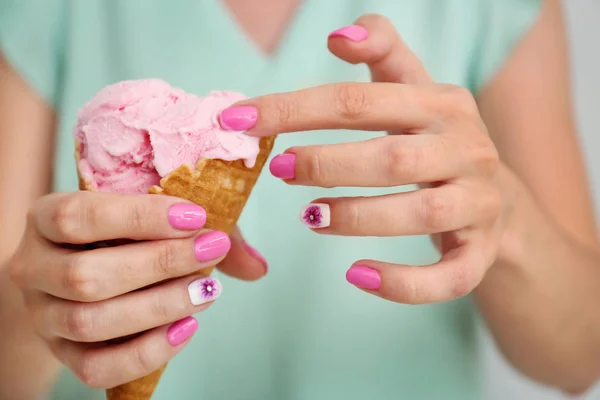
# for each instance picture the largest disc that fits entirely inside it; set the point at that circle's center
(211, 245)
(283, 166)
(354, 33)
(186, 216)
(363, 277)
(238, 118)
(316, 215)
(243, 261)
(179, 332)
(255, 254)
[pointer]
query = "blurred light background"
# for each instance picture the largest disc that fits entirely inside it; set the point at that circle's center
(583, 23)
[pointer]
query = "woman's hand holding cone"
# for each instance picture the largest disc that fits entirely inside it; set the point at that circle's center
(80, 297)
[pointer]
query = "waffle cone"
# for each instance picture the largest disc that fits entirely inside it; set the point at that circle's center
(222, 189)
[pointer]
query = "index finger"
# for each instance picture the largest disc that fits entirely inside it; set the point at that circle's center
(88, 217)
(349, 105)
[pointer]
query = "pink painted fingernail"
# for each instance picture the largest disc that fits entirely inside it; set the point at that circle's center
(181, 330)
(239, 118)
(352, 32)
(254, 253)
(204, 290)
(363, 277)
(187, 216)
(316, 215)
(211, 245)
(283, 166)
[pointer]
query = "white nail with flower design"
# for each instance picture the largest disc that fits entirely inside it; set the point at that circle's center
(204, 290)
(316, 215)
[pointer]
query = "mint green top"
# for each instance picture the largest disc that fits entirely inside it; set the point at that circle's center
(302, 332)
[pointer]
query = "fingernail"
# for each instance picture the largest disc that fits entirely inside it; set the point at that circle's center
(363, 277)
(204, 290)
(352, 32)
(211, 245)
(254, 253)
(316, 215)
(181, 330)
(240, 118)
(283, 166)
(187, 216)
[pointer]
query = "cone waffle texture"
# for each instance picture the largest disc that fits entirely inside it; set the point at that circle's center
(222, 189)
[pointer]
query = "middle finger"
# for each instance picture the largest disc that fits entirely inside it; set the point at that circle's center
(391, 161)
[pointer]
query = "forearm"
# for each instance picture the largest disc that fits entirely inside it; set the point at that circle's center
(27, 369)
(541, 297)
(26, 133)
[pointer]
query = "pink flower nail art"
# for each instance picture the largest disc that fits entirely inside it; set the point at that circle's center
(316, 215)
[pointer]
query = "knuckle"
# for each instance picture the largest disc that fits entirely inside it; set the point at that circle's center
(412, 291)
(485, 156)
(67, 217)
(144, 359)
(435, 210)
(138, 217)
(90, 371)
(79, 323)
(402, 161)
(492, 204)
(78, 278)
(350, 100)
(352, 216)
(459, 101)
(285, 110)
(165, 309)
(314, 169)
(462, 282)
(165, 260)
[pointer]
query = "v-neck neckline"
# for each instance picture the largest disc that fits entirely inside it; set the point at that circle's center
(233, 25)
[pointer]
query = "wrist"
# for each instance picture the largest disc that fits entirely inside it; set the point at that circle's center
(519, 220)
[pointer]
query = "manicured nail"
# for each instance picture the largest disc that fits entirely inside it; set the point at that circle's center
(187, 216)
(254, 253)
(352, 32)
(204, 290)
(283, 166)
(363, 277)
(240, 118)
(316, 215)
(211, 245)
(181, 330)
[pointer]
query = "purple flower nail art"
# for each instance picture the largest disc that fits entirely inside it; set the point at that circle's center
(209, 288)
(204, 290)
(316, 215)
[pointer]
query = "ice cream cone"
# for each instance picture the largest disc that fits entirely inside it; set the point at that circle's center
(222, 189)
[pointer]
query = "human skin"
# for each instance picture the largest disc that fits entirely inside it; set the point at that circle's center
(537, 221)
(514, 226)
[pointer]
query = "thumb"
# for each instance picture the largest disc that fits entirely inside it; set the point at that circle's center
(243, 261)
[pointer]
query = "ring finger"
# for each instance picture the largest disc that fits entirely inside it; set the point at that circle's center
(125, 315)
(426, 211)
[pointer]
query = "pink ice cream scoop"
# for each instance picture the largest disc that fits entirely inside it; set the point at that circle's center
(133, 133)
